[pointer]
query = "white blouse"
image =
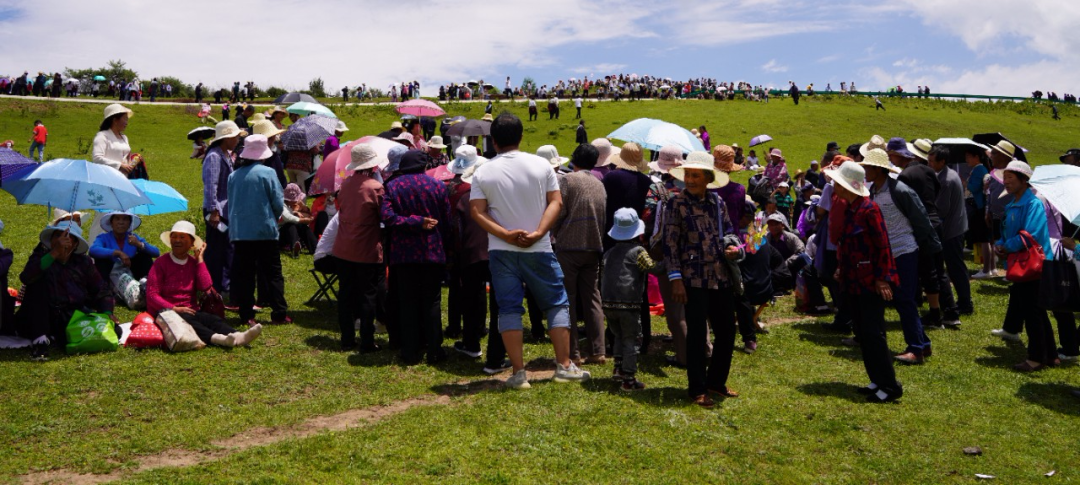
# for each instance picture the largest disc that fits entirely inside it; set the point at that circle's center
(111, 150)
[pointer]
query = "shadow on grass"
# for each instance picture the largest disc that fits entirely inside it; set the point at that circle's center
(1003, 357)
(838, 390)
(1056, 397)
(667, 397)
(993, 288)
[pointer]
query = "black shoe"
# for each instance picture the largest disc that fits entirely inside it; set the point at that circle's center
(674, 362)
(932, 319)
(437, 357)
(632, 385)
(461, 348)
(452, 333)
(39, 352)
(348, 347)
(1075, 392)
(866, 391)
(368, 348)
(966, 310)
(838, 327)
(890, 395)
(492, 369)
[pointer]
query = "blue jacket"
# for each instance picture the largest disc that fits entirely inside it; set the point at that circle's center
(256, 200)
(105, 244)
(1026, 214)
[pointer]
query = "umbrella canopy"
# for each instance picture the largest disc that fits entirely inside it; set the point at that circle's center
(75, 185)
(12, 162)
(308, 108)
(958, 152)
(473, 83)
(163, 198)
(99, 78)
(331, 173)
(294, 98)
(202, 132)
(308, 132)
(991, 139)
(757, 140)
(656, 134)
(420, 107)
(470, 128)
(1058, 184)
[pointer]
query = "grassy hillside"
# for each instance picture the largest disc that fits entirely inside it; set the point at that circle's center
(799, 419)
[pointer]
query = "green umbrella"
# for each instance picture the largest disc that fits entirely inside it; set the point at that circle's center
(306, 108)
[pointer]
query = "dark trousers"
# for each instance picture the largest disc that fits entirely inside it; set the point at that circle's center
(218, 257)
(578, 113)
(744, 313)
(705, 307)
(206, 325)
(475, 304)
(907, 266)
(1041, 346)
(357, 297)
(836, 291)
(140, 266)
(322, 219)
(37, 316)
(581, 270)
(251, 259)
(868, 319)
(953, 251)
(536, 316)
(419, 291)
(935, 280)
(454, 311)
(291, 233)
(1067, 333)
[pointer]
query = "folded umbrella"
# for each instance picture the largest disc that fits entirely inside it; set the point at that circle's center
(331, 173)
(12, 162)
(1059, 183)
(656, 134)
(309, 108)
(308, 132)
(420, 107)
(75, 185)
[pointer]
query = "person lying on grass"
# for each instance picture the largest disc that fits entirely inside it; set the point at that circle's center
(176, 280)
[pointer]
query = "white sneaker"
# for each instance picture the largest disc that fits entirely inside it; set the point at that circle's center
(981, 275)
(1068, 358)
(1000, 332)
(518, 381)
(571, 373)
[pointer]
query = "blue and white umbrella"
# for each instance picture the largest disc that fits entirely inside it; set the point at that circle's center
(163, 198)
(308, 132)
(656, 134)
(75, 185)
(1059, 184)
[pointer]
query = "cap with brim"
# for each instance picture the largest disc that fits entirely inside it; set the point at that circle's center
(76, 232)
(183, 227)
(341, 126)
(1016, 166)
(878, 158)
(363, 156)
(852, 177)
(778, 217)
(115, 109)
(627, 225)
(701, 161)
(875, 142)
(105, 223)
(225, 129)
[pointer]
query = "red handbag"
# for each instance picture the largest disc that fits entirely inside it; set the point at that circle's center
(212, 303)
(1026, 264)
(144, 333)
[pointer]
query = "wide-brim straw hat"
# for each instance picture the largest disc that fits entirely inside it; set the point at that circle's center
(59, 214)
(878, 158)
(257, 117)
(115, 109)
(105, 223)
(921, 148)
(875, 142)
(363, 156)
(724, 159)
(631, 157)
(45, 237)
(266, 128)
(1005, 148)
(852, 177)
(183, 227)
(701, 161)
(225, 129)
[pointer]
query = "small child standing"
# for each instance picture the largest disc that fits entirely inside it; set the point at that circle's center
(37, 140)
(623, 283)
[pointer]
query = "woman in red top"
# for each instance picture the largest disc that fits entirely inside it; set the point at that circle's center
(175, 281)
(867, 272)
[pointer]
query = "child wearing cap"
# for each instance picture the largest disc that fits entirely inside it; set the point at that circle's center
(784, 201)
(625, 267)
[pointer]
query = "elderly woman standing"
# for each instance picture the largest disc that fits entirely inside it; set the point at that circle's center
(217, 166)
(257, 202)
(699, 242)
(656, 202)
(110, 147)
(175, 281)
(1025, 212)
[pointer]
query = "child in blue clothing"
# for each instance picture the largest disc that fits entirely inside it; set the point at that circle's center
(625, 268)
(124, 258)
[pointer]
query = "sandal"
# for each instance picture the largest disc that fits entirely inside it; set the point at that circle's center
(726, 392)
(704, 401)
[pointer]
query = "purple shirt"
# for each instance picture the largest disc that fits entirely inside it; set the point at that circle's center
(217, 165)
(734, 196)
(409, 199)
(331, 145)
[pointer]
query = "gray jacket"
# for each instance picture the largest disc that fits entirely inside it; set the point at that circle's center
(623, 282)
(908, 202)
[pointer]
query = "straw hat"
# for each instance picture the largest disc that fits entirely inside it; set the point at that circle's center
(487, 117)
(115, 109)
(724, 159)
(875, 142)
(257, 117)
(105, 223)
(396, 126)
(363, 156)
(921, 148)
(1005, 148)
(225, 129)
(603, 147)
(627, 225)
(878, 158)
(76, 232)
(266, 128)
(631, 158)
(436, 142)
(59, 214)
(551, 154)
(256, 148)
(670, 157)
(183, 227)
(701, 161)
(852, 177)
(275, 110)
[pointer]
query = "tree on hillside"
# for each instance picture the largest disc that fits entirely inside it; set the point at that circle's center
(115, 70)
(180, 89)
(528, 85)
(316, 88)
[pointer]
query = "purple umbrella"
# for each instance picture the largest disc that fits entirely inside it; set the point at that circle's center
(11, 162)
(757, 140)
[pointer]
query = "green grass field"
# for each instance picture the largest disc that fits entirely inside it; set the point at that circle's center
(293, 409)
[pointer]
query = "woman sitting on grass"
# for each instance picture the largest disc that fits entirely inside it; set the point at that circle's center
(176, 280)
(122, 257)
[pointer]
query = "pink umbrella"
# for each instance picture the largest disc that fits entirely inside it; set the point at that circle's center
(331, 173)
(420, 107)
(441, 173)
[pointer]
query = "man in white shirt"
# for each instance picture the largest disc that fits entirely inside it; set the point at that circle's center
(577, 105)
(515, 197)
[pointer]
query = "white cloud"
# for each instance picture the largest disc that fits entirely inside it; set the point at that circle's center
(599, 70)
(773, 66)
(827, 59)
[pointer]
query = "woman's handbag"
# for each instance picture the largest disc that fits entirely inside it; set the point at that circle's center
(212, 303)
(1026, 264)
(1059, 288)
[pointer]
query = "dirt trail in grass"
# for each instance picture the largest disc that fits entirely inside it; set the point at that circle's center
(256, 437)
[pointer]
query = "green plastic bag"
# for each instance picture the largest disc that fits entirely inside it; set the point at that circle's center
(90, 333)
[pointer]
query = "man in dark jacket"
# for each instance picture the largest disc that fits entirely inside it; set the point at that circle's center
(794, 91)
(582, 136)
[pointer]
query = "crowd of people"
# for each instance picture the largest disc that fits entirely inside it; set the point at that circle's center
(568, 240)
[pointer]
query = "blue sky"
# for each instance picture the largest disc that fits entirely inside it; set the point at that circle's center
(1002, 47)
